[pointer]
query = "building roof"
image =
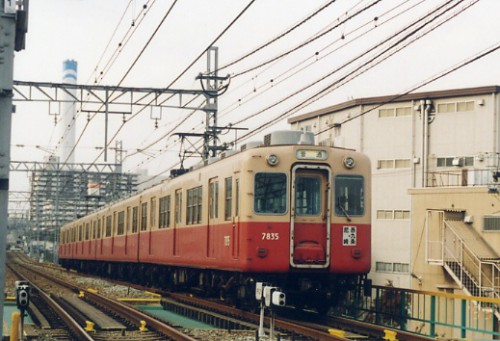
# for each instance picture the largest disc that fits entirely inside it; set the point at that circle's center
(397, 98)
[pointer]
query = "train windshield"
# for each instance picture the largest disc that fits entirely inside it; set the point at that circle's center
(308, 195)
(270, 193)
(349, 195)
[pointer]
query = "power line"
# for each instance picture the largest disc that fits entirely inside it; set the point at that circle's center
(279, 36)
(319, 55)
(190, 65)
(343, 78)
(308, 41)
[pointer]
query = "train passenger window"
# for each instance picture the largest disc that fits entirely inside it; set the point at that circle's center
(135, 219)
(229, 198)
(144, 216)
(308, 195)
(99, 228)
(108, 226)
(193, 211)
(87, 232)
(349, 195)
(153, 212)
(127, 221)
(214, 199)
(165, 211)
(121, 223)
(94, 227)
(178, 206)
(270, 193)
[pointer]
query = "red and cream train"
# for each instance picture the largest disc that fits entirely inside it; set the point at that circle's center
(286, 212)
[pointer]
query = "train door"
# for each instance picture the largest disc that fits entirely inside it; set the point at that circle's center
(310, 217)
(213, 214)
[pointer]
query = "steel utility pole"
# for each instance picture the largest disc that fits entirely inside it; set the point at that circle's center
(13, 27)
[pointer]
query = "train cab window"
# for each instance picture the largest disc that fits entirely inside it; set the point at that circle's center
(144, 216)
(165, 211)
(270, 193)
(229, 198)
(349, 195)
(308, 195)
(135, 219)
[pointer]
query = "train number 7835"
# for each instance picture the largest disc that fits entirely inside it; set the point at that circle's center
(270, 236)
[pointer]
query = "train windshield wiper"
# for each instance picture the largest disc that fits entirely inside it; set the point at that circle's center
(339, 204)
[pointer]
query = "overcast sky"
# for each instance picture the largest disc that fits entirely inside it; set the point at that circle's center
(82, 29)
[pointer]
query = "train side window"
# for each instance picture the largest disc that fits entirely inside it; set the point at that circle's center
(144, 216)
(270, 193)
(80, 233)
(108, 226)
(135, 219)
(121, 223)
(229, 198)
(153, 212)
(214, 199)
(98, 228)
(127, 221)
(193, 205)
(178, 206)
(349, 195)
(87, 231)
(94, 227)
(164, 211)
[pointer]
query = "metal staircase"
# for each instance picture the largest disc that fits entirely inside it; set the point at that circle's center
(470, 261)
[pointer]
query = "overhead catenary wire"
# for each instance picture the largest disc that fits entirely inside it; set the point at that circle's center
(306, 42)
(273, 40)
(123, 78)
(425, 17)
(337, 81)
(123, 42)
(296, 69)
(188, 67)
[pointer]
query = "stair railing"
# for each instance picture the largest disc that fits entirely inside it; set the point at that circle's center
(484, 274)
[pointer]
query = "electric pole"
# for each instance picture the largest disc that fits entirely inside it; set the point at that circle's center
(13, 27)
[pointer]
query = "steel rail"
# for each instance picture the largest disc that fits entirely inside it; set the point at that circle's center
(127, 312)
(75, 329)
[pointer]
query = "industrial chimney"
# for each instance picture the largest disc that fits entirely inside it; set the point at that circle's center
(66, 126)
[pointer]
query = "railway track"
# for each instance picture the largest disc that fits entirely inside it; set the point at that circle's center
(230, 318)
(62, 315)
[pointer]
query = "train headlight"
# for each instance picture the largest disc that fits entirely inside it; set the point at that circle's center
(349, 162)
(272, 160)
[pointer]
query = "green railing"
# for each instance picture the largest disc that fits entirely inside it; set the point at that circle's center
(433, 314)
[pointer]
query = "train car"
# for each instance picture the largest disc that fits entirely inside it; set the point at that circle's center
(285, 212)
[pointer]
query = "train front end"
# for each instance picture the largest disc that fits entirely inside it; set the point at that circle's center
(308, 226)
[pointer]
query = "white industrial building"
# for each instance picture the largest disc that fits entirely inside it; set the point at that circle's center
(420, 140)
